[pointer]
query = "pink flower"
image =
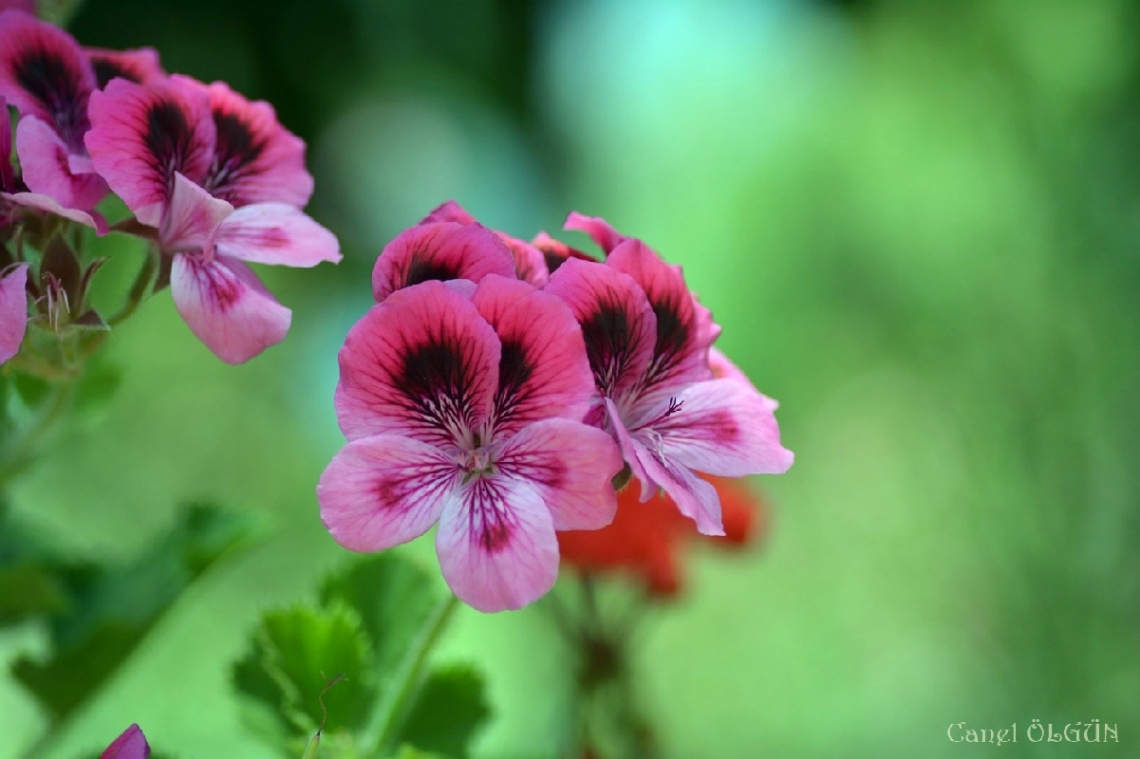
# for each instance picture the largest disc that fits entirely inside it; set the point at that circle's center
(16, 202)
(648, 343)
(530, 265)
(13, 310)
(222, 182)
(130, 745)
(45, 74)
(444, 251)
(139, 66)
(466, 411)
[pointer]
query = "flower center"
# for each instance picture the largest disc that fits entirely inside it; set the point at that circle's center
(476, 463)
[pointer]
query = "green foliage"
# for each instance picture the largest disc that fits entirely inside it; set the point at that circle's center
(371, 632)
(295, 654)
(449, 709)
(101, 613)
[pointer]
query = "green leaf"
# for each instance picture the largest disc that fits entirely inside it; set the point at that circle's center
(448, 710)
(394, 597)
(28, 590)
(112, 609)
(294, 656)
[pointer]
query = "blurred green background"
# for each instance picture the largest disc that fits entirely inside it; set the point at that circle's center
(919, 224)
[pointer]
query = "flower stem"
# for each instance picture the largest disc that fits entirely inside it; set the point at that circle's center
(408, 677)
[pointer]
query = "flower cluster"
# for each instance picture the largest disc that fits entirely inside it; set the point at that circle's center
(502, 388)
(211, 177)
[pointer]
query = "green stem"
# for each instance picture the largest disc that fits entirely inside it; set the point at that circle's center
(138, 291)
(409, 676)
(17, 457)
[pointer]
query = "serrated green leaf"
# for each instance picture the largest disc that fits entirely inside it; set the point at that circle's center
(113, 608)
(449, 709)
(394, 598)
(294, 655)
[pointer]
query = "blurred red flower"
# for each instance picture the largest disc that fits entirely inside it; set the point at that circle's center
(646, 539)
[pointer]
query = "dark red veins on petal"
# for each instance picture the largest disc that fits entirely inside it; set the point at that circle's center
(59, 87)
(515, 370)
(237, 147)
(674, 333)
(433, 376)
(490, 525)
(608, 338)
(169, 140)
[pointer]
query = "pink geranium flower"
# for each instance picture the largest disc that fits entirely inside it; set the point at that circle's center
(130, 745)
(13, 310)
(44, 73)
(444, 250)
(466, 411)
(222, 183)
(648, 343)
(16, 201)
(530, 265)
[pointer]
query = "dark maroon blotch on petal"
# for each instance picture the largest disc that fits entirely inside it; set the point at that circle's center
(674, 334)
(54, 82)
(169, 139)
(237, 147)
(106, 70)
(608, 337)
(515, 369)
(422, 268)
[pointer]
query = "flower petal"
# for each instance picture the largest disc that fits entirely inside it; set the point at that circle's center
(543, 370)
(13, 311)
(47, 167)
(7, 175)
(382, 491)
(617, 322)
(44, 74)
(554, 252)
(571, 466)
(723, 427)
(629, 451)
(11, 203)
(131, 744)
(695, 498)
(275, 233)
(423, 363)
(530, 265)
(255, 159)
(596, 227)
(678, 352)
(449, 211)
(140, 66)
(142, 135)
(439, 250)
(496, 544)
(191, 218)
(227, 307)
